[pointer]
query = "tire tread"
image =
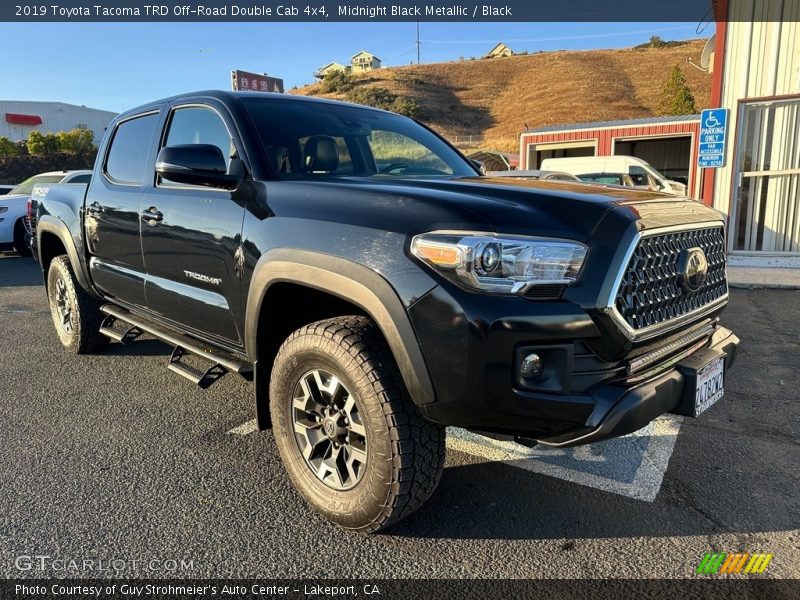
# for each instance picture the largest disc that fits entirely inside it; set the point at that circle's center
(418, 445)
(90, 340)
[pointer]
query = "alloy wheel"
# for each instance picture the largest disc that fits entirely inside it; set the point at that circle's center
(63, 306)
(328, 429)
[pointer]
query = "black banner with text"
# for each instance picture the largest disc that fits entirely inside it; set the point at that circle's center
(694, 11)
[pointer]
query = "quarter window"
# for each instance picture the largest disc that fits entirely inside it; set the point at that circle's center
(127, 157)
(81, 179)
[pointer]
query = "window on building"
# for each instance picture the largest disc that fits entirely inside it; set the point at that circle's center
(766, 204)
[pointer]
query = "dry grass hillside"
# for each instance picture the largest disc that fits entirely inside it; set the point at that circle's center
(495, 98)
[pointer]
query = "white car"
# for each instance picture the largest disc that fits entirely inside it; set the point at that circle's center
(644, 176)
(535, 174)
(14, 231)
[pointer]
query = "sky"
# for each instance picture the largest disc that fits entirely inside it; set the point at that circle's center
(121, 65)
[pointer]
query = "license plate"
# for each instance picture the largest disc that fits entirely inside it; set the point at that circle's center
(709, 385)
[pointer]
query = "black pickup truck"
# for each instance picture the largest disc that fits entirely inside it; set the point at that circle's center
(375, 287)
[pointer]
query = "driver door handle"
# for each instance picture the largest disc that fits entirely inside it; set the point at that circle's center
(94, 209)
(152, 215)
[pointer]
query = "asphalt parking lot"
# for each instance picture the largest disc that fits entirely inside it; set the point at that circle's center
(111, 457)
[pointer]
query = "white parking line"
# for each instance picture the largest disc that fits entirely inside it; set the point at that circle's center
(245, 428)
(632, 466)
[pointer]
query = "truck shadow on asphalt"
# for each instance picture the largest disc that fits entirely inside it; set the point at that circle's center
(141, 347)
(19, 271)
(496, 501)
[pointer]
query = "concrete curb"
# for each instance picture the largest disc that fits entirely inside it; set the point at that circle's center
(763, 278)
(763, 285)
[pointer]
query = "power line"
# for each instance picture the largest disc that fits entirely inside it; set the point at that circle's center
(560, 38)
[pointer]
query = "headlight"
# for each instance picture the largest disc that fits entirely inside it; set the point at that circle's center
(500, 263)
(3, 209)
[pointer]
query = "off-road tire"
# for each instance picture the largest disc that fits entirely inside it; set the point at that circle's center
(405, 453)
(83, 334)
(21, 239)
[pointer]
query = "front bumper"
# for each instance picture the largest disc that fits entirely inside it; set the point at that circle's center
(470, 343)
(639, 405)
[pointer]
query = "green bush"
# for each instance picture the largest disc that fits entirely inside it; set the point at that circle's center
(406, 106)
(8, 148)
(42, 144)
(379, 97)
(336, 82)
(76, 141)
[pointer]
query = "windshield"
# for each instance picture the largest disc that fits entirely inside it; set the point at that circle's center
(608, 178)
(305, 140)
(641, 173)
(26, 187)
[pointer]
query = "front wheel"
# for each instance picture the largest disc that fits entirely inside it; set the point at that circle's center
(350, 437)
(76, 314)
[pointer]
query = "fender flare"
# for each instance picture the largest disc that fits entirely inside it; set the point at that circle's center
(48, 224)
(350, 281)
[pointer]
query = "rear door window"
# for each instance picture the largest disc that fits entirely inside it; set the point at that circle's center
(127, 157)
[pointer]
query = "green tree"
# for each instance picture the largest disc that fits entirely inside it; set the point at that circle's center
(8, 148)
(406, 106)
(42, 144)
(336, 81)
(657, 42)
(382, 98)
(75, 141)
(676, 97)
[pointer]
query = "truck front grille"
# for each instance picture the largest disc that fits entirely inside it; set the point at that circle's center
(652, 292)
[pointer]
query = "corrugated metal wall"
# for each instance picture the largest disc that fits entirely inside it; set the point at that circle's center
(605, 141)
(56, 116)
(762, 60)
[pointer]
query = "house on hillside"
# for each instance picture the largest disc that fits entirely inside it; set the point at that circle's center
(359, 63)
(500, 51)
(364, 61)
(331, 67)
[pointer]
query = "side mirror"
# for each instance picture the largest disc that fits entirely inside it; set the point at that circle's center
(478, 165)
(196, 164)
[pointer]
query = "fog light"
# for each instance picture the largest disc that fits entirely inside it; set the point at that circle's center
(531, 366)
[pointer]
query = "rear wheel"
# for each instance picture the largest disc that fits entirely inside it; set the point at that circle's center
(21, 239)
(350, 437)
(76, 314)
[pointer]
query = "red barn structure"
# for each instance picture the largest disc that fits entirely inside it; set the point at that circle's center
(668, 143)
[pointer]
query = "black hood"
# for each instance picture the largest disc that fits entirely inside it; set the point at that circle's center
(524, 207)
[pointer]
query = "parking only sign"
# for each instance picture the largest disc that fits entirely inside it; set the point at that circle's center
(713, 133)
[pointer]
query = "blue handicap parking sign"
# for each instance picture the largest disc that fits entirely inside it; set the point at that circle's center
(713, 135)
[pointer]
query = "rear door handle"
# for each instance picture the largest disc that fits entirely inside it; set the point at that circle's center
(152, 215)
(95, 209)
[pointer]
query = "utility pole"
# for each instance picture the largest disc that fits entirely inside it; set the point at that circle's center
(418, 42)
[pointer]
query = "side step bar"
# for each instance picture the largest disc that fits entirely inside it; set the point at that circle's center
(201, 378)
(221, 361)
(123, 337)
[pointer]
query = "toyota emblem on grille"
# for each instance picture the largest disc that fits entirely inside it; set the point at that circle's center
(694, 269)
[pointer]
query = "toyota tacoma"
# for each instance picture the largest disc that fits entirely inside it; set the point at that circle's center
(375, 287)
